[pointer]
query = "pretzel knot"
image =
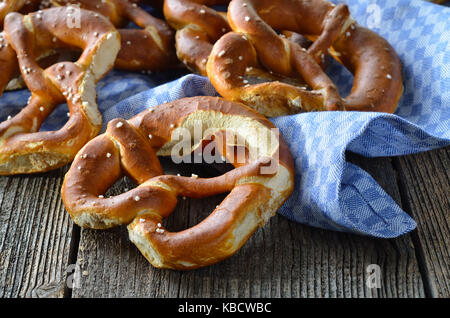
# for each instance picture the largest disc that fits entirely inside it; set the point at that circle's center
(150, 48)
(240, 57)
(198, 28)
(23, 149)
(258, 186)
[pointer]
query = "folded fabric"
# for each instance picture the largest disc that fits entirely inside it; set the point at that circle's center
(330, 192)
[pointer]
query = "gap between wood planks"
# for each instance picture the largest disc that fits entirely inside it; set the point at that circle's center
(424, 183)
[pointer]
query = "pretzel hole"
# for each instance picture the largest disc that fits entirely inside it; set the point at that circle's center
(59, 55)
(53, 121)
(153, 9)
(221, 7)
(340, 75)
(50, 123)
(191, 211)
(10, 110)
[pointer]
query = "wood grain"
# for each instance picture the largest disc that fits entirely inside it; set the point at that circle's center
(38, 244)
(283, 259)
(424, 182)
(35, 236)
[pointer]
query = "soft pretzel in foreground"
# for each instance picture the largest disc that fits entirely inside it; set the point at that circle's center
(148, 49)
(198, 28)
(23, 149)
(254, 45)
(260, 183)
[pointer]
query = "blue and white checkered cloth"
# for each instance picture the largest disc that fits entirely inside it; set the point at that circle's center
(330, 192)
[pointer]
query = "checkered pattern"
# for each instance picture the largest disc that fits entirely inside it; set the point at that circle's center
(330, 192)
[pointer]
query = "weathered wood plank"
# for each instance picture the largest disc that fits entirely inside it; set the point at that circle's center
(407, 277)
(283, 259)
(425, 186)
(35, 236)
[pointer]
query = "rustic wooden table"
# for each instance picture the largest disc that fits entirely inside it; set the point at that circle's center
(42, 253)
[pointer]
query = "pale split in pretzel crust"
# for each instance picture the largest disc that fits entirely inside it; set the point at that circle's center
(131, 148)
(23, 148)
(254, 44)
(150, 48)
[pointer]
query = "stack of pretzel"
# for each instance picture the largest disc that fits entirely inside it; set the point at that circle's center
(265, 58)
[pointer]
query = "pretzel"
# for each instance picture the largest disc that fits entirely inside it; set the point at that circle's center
(22, 148)
(238, 58)
(150, 48)
(131, 147)
(198, 28)
(8, 62)
(7, 6)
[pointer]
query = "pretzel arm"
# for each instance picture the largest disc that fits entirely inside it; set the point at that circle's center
(215, 238)
(193, 48)
(332, 28)
(194, 187)
(314, 75)
(8, 62)
(138, 159)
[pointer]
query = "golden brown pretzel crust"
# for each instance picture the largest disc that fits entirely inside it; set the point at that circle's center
(8, 6)
(150, 48)
(23, 149)
(130, 147)
(8, 62)
(254, 44)
(22, 6)
(198, 28)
